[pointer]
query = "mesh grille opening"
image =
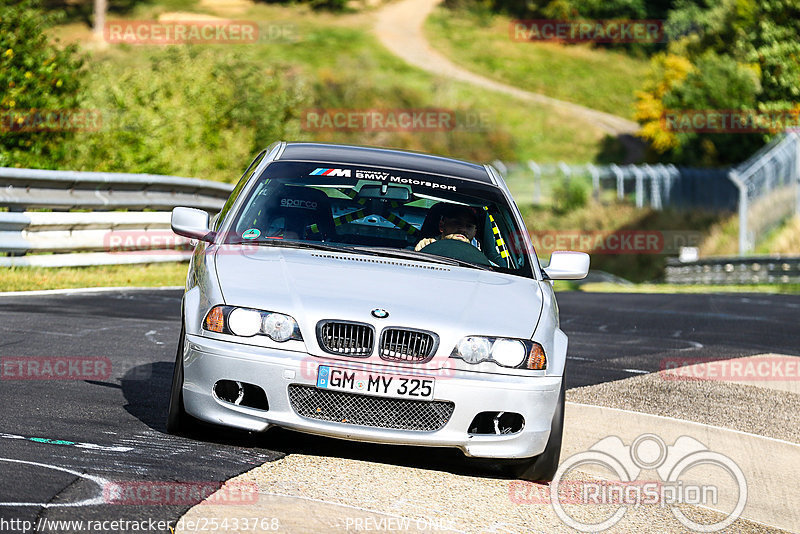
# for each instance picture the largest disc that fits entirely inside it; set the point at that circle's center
(365, 410)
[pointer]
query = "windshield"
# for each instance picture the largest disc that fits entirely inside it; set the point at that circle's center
(382, 212)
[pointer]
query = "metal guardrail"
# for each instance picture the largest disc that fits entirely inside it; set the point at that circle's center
(38, 188)
(102, 236)
(735, 270)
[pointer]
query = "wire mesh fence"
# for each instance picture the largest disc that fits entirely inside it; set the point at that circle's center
(765, 189)
(768, 186)
(656, 185)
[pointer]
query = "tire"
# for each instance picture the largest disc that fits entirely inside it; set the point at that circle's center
(543, 467)
(178, 421)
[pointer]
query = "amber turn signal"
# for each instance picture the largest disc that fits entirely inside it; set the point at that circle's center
(536, 358)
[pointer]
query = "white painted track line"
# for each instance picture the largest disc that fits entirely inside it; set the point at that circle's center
(83, 290)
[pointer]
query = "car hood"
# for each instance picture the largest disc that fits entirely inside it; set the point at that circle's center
(314, 285)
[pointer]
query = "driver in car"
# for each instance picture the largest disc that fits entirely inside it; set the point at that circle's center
(457, 222)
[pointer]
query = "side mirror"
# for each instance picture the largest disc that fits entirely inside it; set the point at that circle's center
(567, 265)
(191, 223)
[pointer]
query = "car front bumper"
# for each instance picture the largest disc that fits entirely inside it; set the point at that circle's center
(208, 360)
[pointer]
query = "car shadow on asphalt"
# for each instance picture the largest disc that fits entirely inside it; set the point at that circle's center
(146, 390)
(443, 459)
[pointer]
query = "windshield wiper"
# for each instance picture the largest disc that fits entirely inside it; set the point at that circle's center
(371, 251)
(300, 244)
(421, 256)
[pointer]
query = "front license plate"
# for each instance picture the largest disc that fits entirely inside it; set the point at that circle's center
(377, 384)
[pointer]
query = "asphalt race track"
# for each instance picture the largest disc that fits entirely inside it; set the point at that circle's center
(63, 441)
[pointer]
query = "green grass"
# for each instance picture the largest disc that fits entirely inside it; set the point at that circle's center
(174, 274)
(37, 278)
(722, 239)
(593, 77)
(604, 217)
(784, 239)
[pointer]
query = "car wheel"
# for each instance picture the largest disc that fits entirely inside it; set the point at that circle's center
(178, 421)
(542, 468)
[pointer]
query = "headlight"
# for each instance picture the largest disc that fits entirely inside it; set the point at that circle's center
(473, 349)
(508, 352)
(515, 353)
(246, 322)
(278, 326)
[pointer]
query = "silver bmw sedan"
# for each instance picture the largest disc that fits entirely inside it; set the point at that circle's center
(374, 295)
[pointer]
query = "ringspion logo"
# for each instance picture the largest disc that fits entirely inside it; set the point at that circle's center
(677, 485)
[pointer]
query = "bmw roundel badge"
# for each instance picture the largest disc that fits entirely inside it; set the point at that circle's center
(380, 313)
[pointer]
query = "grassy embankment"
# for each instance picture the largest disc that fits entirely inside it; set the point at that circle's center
(593, 77)
(37, 278)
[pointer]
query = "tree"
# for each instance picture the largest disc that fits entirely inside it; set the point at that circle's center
(39, 85)
(745, 55)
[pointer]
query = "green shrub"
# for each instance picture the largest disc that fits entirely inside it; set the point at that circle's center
(745, 57)
(569, 195)
(330, 5)
(37, 78)
(187, 111)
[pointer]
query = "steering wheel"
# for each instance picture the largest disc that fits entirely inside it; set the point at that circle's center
(457, 250)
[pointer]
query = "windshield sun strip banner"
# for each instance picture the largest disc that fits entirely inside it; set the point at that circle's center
(387, 177)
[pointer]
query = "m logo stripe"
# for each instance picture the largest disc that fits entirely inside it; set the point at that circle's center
(331, 172)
